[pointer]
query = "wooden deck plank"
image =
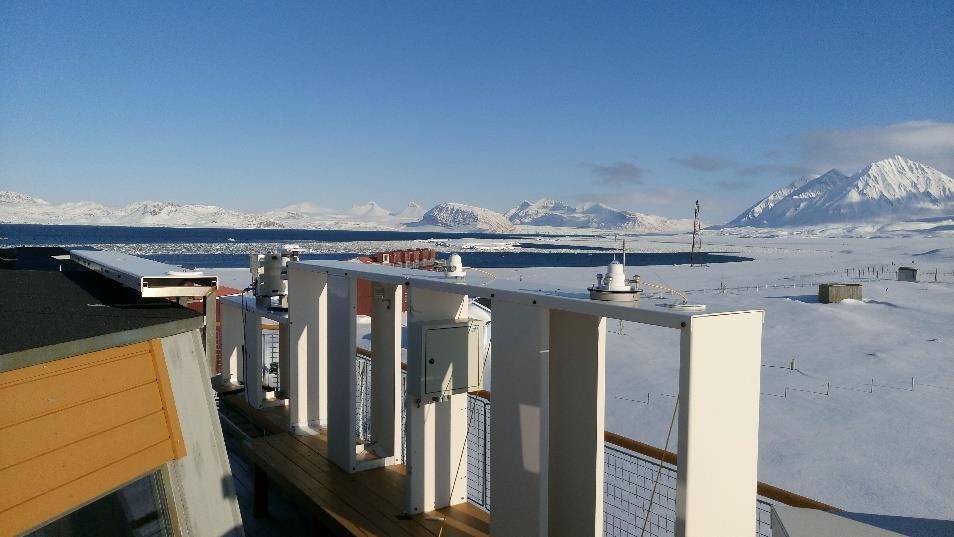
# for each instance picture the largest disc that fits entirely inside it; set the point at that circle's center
(388, 478)
(370, 500)
(272, 419)
(380, 491)
(463, 520)
(334, 514)
(363, 503)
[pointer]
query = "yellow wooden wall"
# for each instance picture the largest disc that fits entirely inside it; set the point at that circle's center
(74, 429)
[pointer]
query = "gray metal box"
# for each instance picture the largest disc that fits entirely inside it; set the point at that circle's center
(444, 358)
(829, 293)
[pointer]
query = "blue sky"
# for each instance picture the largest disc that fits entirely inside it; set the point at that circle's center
(644, 105)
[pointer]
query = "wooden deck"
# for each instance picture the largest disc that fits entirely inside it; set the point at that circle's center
(364, 503)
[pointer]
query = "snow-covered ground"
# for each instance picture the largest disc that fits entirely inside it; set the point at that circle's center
(847, 426)
(825, 431)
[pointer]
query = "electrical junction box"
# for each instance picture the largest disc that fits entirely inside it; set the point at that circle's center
(445, 358)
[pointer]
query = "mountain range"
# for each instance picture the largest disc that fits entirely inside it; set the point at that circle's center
(547, 212)
(883, 192)
(18, 208)
(886, 191)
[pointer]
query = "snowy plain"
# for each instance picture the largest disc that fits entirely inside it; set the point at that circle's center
(864, 418)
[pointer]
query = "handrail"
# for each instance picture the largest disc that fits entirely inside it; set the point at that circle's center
(639, 447)
(762, 489)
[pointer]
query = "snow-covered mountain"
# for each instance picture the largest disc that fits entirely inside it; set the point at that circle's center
(8, 198)
(22, 209)
(412, 212)
(457, 216)
(369, 210)
(883, 191)
(754, 213)
(547, 212)
(303, 211)
(17, 208)
(159, 213)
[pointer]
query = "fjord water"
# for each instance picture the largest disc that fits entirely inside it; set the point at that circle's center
(530, 250)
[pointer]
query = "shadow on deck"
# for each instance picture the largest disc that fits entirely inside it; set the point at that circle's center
(336, 502)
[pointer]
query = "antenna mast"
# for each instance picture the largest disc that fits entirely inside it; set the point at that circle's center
(696, 236)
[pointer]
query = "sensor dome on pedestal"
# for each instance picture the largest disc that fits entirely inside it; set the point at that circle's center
(614, 286)
(455, 267)
(291, 251)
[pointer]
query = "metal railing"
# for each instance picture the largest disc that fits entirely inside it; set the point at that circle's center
(630, 470)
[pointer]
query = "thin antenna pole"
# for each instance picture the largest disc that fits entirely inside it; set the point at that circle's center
(624, 254)
(696, 236)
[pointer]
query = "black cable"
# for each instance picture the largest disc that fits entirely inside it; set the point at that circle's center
(244, 330)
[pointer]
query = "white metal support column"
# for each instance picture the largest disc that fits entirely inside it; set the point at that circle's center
(436, 431)
(577, 421)
(308, 350)
(211, 317)
(718, 424)
(254, 394)
(519, 445)
(386, 370)
(342, 309)
(233, 337)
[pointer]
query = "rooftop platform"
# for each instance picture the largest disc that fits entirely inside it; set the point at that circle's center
(479, 284)
(51, 307)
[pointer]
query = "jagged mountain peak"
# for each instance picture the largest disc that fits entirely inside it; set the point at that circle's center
(370, 209)
(413, 211)
(888, 189)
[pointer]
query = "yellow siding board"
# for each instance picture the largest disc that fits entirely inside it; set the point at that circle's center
(34, 398)
(60, 500)
(75, 429)
(79, 361)
(73, 461)
(37, 437)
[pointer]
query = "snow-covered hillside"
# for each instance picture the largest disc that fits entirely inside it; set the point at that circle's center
(881, 192)
(370, 210)
(845, 424)
(547, 212)
(754, 213)
(16, 198)
(458, 216)
(17, 208)
(412, 213)
(22, 209)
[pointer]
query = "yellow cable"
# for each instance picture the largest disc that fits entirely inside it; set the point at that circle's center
(487, 272)
(680, 294)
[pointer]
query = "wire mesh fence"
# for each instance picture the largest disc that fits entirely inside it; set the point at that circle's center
(271, 380)
(478, 451)
(763, 518)
(631, 508)
(362, 371)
